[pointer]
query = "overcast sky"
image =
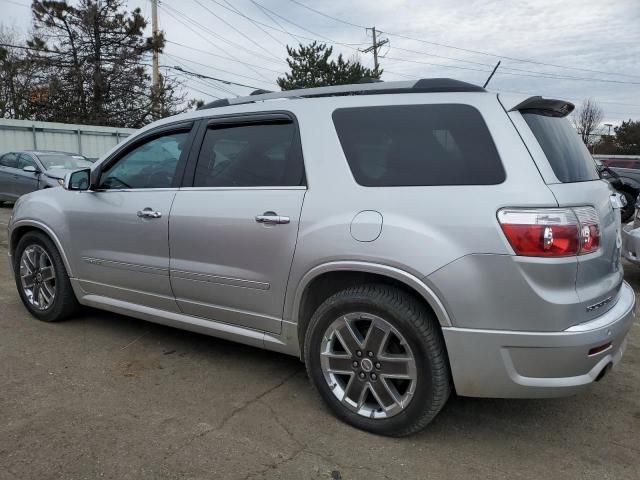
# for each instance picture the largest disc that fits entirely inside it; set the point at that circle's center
(600, 40)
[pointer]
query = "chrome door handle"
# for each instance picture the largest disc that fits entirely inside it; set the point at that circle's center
(271, 218)
(149, 213)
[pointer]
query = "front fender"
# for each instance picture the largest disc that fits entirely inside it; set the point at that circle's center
(42, 211)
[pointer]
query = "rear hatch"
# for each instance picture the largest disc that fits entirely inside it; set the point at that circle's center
(571, 174)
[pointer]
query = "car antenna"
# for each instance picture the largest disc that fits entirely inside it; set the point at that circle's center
(491, 76)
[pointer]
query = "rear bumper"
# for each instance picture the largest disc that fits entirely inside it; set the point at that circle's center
(631, 243)
(514, 364)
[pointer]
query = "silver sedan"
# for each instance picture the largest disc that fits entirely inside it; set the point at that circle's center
(26, 171)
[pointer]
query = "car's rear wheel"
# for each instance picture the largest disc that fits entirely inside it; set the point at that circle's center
(42, 280)
(377, 357)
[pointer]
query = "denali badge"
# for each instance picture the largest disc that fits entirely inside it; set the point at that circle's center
(598, 305)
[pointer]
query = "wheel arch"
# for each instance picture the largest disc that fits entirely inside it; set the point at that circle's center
(324, 280)
(21, 227)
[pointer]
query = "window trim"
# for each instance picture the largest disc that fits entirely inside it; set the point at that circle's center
(179, 127)
(237, 120)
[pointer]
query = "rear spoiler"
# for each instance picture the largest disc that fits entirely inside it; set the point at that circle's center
(545, 106)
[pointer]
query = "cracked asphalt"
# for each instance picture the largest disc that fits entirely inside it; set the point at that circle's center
(107, 396)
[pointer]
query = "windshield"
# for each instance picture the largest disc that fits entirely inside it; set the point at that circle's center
(61, 161)
(567, 155)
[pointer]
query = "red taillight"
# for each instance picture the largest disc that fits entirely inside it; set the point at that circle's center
(589, 229)
(551, 232)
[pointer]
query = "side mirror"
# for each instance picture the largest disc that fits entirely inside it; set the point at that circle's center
(78, 180)
(30, 169)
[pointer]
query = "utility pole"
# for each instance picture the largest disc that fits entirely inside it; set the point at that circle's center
(156, 69)
(375, 47)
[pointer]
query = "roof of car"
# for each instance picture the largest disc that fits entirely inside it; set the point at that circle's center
(366, 87)
(48, 152)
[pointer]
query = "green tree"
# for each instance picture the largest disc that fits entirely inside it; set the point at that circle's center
(91, 65)
(312, 66)
(15, 77)
(628, 138)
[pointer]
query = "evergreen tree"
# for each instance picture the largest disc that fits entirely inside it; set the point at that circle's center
(92, 64)
(311, 66)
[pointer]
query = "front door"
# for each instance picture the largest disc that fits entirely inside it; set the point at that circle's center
(233, 233)
(121, 228)
(8, 175)
(26, 182)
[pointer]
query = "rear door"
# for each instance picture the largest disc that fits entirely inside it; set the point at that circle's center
(570, 173)
(26, 182)
(233, 229)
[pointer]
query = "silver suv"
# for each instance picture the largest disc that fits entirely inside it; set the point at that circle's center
(404, 239)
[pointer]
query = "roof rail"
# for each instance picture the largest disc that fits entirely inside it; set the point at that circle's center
(425, 85)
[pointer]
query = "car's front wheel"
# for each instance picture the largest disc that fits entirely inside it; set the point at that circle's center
(377, 357)
(42, 280)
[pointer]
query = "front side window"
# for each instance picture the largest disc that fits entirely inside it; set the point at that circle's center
(150, 165)
(257, 155)
(9, 160)
(26, 161)
(418, 145)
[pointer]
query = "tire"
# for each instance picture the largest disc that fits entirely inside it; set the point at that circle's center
(410, 323)
(629, 209)
(63, 302)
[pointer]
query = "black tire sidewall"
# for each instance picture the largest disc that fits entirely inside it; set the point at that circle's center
(423, 395)
(57, 310)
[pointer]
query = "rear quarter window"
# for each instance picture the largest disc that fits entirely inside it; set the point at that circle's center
(561, 144)
(418, 145)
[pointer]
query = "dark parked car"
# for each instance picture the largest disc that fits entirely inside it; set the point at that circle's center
(25, 171)
(623, 172)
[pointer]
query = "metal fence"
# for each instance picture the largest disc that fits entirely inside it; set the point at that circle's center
(88, 140)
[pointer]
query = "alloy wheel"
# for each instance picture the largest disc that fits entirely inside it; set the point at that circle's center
(368, 365)
(38, 277)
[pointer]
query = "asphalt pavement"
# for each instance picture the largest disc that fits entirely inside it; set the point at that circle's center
(108, 396)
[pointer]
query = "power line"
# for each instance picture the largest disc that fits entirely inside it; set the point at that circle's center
(227, 82)
(328, 16)
(324, 39)
(275, 20)
(206, 52)
(532, 74)
(187, 80)
(255, 24)
(478, 52)
(228, 55)
(195, 74)
(169, 9)
(235, 29)
(214, 68)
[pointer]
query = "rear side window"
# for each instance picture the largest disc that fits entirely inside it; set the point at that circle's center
(9, 160)
(418, 145)
(254, 155)
(567, 155)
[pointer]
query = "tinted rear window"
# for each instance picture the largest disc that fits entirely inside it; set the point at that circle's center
(418, 145)
(567, 155)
